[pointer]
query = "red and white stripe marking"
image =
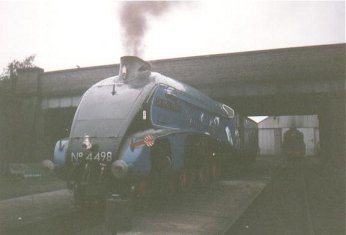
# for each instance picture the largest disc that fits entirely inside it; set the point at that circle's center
(149, 140)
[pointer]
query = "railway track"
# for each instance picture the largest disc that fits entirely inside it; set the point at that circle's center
(297, 201)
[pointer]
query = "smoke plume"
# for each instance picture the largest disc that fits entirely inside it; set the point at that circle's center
(134, 22)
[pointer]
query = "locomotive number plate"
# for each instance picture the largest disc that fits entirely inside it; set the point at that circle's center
(99, 156)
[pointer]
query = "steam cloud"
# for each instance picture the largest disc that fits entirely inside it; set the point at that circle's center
(134, 22)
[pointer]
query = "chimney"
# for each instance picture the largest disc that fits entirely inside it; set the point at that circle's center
(133, 68)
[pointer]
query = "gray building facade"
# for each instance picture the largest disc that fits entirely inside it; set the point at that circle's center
(272, 129)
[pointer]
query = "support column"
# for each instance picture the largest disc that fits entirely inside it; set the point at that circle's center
(28, 89)
(332, 137)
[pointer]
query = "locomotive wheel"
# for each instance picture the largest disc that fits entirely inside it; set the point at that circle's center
(214, 171)
(79, 196)
(204, 176)
(141, 195)
(183, 181)
(161, 176)
(214, 168)
(142, 189)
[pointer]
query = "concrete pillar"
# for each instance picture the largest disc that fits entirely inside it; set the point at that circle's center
(332, 139)
(28, 81)
(28, 87)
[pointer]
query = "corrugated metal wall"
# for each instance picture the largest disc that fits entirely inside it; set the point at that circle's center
(272, 129)
(269, 141)
(298, 121)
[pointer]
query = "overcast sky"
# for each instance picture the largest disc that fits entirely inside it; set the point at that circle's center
(64, 34)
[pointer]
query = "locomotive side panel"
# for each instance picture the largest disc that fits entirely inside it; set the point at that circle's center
(171, 111)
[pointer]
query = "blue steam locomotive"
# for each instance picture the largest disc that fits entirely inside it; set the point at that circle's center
(141, 133)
